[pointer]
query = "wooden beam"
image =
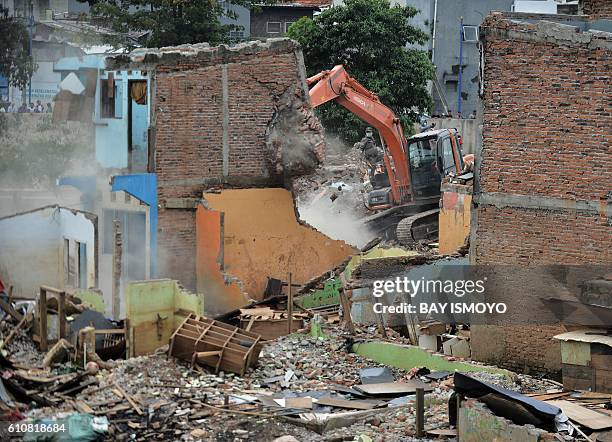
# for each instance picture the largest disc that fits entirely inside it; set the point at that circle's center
(346, 309)
(129, 399)
(290, 307)
(14, 331)
(42, 319)
(10, 310)
(420, 412)
(61, 310)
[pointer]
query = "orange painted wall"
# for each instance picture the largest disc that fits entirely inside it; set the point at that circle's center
(261, 238)
(220, 294)
(454, 218)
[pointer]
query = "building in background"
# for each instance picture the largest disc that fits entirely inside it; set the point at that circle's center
(273, 20)
(241, 23)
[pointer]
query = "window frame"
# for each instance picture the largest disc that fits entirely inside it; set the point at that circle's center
(280, 27)
(477, 31)
(442, 154)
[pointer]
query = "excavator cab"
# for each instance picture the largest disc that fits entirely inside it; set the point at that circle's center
(431, 155)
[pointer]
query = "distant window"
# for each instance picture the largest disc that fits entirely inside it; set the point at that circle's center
(470, 33)
(273, 27)
(287, 25)
(107, 98)
(236, 35)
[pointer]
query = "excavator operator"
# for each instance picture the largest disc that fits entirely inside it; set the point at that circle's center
(373, 155)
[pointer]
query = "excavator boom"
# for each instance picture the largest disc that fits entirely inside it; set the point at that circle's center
(337, 85)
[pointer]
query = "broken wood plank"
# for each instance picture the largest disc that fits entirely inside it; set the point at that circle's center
(549, 396)
(129, 399)
(116, 409)
(393, 388)
(583, 416)
(10, 310)
(83, 407)
(344, 403)
(442, 432)
(346, 312)
(298, 402)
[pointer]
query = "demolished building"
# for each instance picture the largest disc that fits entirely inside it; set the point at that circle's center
(224, 118)
(542, 186)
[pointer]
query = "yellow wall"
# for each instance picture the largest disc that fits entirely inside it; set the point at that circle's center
(157, 301)
(454, 219)
(261, 238)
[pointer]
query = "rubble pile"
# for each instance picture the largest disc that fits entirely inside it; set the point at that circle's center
(304, 387)
(20, 347)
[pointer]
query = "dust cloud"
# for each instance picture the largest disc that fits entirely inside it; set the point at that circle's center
(332, 199)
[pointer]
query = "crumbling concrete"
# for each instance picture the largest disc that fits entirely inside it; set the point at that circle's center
(476, 423)
(542, 189)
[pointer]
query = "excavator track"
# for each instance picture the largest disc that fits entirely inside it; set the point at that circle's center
(418, 227)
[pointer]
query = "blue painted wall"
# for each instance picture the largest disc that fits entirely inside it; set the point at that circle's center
(112, 133)
(142, 186)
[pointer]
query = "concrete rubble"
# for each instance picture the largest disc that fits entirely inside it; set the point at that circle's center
(159, 398)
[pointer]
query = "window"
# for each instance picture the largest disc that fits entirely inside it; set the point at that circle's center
(236, 35)
(470, 33)
(273, 27)
(422, 152)
(107, 98)
(82, 264)
(448, 159)
(288, 25)
(111, 95)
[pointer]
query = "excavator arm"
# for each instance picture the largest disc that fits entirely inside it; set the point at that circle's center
(337, 85)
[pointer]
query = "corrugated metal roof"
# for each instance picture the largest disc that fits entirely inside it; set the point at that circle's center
(592, 336)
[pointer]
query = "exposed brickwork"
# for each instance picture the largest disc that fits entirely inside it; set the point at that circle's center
(219, 119)
(528, 237)
(596, 8)
(546, 134)
(547, 120)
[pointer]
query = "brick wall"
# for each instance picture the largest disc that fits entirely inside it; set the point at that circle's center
(218, 120)
(596, 8)
(546, 140)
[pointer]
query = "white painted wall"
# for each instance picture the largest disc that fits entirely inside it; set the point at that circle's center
(535, 6)
(32, 248)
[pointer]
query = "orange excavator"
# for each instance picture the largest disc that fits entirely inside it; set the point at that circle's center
(406, 198)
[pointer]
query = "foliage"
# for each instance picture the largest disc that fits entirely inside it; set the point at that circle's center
(158, 23)
(369, 38)
(35, 151)
(15, 62)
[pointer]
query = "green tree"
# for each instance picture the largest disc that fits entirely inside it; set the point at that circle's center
(166, 22)
(16, 64)
(369, 38)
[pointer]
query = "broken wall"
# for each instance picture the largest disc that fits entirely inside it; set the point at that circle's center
(542, 188)
(222, 116)
(247, 235)
(51, 246)
(155, 309)
(476, 423)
